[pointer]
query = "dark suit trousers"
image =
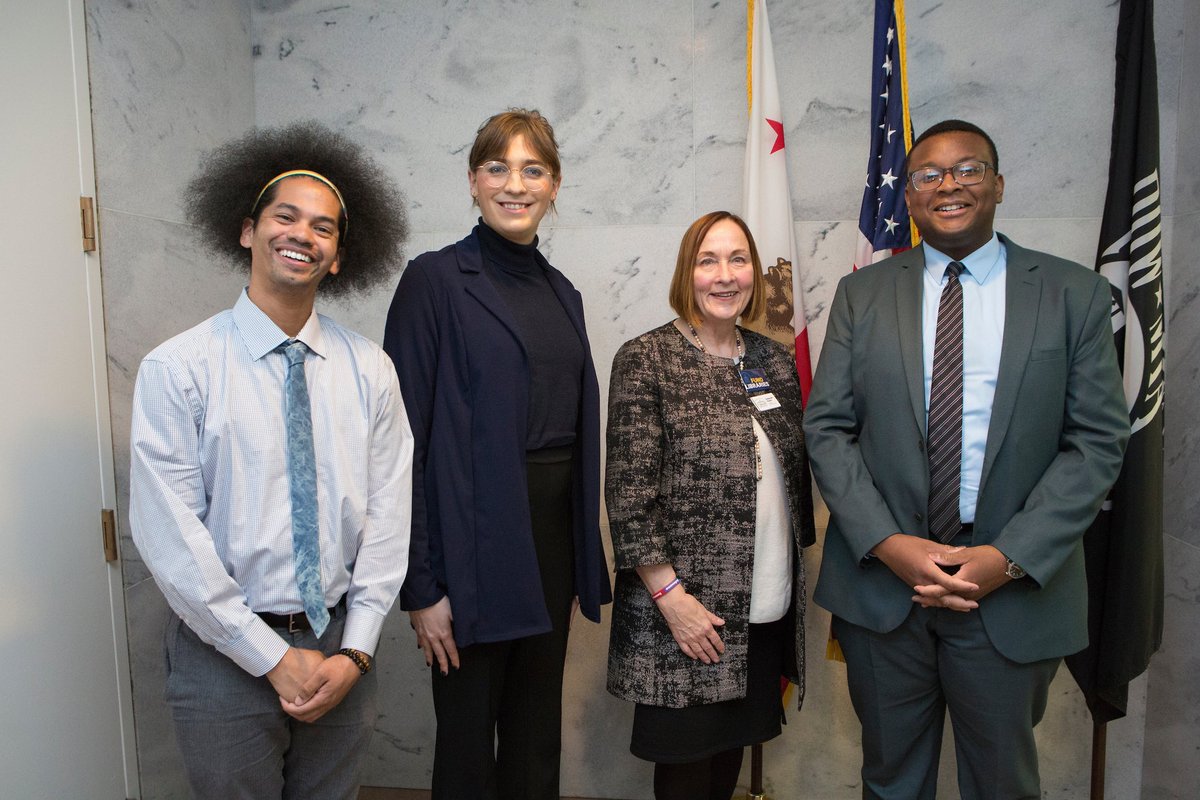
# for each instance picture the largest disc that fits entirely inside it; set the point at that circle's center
(499, 716)
(901, 684)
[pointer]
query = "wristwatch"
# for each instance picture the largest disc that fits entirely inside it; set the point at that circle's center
(361, 660)
(1013, 570)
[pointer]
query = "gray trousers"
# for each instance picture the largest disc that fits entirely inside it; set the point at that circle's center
(903, 681)
(237, 742)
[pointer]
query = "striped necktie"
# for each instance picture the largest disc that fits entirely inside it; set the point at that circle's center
(302, 480)
(946, 411)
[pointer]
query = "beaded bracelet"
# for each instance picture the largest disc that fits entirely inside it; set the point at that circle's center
(664, 590)
(361, 660)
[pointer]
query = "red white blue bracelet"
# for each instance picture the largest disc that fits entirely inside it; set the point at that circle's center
(664, 590)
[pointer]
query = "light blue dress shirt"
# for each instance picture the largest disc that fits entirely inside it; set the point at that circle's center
(209, 506)
(984, 291)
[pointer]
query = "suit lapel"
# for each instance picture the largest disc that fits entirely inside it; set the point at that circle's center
(1023, 289)
(908, 316)
(477, 285)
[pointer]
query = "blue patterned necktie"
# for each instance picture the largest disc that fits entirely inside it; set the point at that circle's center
(302, 479)
(946, 411)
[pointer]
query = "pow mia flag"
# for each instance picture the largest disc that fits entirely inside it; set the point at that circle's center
(1124, 546)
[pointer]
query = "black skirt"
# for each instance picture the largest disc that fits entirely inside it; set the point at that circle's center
(680, 735)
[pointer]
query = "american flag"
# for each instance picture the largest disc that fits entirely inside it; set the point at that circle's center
(883, 222)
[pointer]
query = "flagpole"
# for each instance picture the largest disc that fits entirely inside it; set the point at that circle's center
(756, 776)
(1099, 748)
(756, 758)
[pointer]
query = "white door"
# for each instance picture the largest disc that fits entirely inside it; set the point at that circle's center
(65, 710)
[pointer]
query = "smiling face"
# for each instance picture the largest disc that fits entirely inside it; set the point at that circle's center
(723, 275)
(514, 210)
(957, 220)
(294, 244)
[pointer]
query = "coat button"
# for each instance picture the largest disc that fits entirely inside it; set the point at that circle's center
(921, 445)
(919, 517)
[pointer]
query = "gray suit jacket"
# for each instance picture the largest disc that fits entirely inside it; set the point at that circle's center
(1058, 431)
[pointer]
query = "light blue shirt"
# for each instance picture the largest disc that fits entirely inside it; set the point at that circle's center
(983, 333)
(209, 499)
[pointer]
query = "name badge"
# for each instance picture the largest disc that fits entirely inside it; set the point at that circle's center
(764, 402)
(755, 380)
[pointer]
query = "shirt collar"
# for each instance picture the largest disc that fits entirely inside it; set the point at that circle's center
(979, 264)
(262, 336)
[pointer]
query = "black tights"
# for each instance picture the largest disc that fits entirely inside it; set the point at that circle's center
(712, 778)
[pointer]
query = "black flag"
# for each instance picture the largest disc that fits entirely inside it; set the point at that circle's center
(1124, 547)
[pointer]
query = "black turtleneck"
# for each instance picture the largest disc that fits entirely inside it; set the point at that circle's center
(551, 342)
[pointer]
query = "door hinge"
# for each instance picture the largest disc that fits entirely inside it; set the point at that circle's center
(108, 527)
(87, 214)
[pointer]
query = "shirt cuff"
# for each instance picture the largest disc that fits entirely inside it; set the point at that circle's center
(362, 630)
(258, 650)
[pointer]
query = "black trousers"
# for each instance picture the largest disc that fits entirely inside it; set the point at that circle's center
(499, 716)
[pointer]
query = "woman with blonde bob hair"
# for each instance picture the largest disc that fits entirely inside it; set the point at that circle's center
(709, 503)
(489, 343)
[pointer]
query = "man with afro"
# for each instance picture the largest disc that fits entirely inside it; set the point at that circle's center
(270, 480)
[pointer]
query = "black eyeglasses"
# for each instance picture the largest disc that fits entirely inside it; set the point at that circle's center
(966, 173)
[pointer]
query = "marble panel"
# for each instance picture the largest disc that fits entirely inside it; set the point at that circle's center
(1074, 238)
(719, 113)
(1182, 470)
(1170, 55)
(401, 752)
(825, 255)
(169, 81)
(1037, 77)
(157, 283)
(415, 80)
(823, 55)
(159, 762)
(1173, 704)
(624, 275)
(367, 313)
(1187, 155)
(1127, 743)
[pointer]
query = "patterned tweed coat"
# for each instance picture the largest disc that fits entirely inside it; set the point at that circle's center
(680, 487)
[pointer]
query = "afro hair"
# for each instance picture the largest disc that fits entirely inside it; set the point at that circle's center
(221, 195)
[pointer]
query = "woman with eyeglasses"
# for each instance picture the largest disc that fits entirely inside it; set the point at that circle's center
(489, 343)
(709, 505)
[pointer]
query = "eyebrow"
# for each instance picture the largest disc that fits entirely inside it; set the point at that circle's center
(527, 163)
(957, 161)
(734, 252)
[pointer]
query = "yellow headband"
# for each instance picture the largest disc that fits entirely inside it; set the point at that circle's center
(315, 176)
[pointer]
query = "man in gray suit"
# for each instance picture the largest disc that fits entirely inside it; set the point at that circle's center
(953, 563)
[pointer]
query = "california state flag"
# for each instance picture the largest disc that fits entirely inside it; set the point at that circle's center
(767, 202)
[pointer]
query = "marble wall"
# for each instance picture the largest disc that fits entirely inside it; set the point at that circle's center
(648, 100)
(1172, 737)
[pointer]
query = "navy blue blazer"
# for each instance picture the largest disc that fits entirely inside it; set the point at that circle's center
(464, 374)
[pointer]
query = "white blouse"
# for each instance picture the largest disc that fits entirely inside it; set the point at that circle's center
(771, 587)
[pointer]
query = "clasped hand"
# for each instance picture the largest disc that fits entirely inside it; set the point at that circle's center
(923, 564)
(310, 685)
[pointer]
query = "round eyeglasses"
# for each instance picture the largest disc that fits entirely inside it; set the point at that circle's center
(966, 173)
(495, 175)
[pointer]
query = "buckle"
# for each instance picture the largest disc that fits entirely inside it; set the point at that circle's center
(292, 626)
